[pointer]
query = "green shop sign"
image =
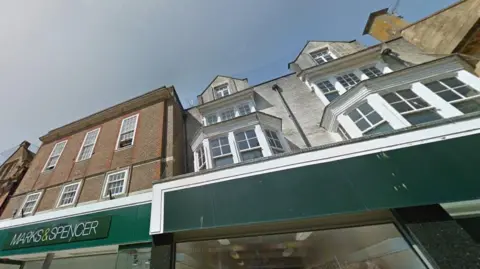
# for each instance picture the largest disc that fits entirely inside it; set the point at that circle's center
(69, 231)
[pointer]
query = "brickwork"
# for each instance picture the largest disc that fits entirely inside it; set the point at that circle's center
(91, 189)
(14, 203)
(147, 148)
(143, 175)
(49, 199)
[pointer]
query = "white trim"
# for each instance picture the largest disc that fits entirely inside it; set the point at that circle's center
(59, 155)
(134, 131)
(83, 144)
(352, 130)
(77, 192)
(443, 108)
(233, 146)
(208, 155)
(125, 183)
(262, 141)
(34, 208)
(85, 209)
(350, 150)
(387, 112)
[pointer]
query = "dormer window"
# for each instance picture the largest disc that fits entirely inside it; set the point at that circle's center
(221, 91)
(322, 56)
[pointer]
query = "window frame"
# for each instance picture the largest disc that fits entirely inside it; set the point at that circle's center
(318, 51)
(414, 109)
(272, 147)
(240, 151)
(364, 117)
(227, 110)
(137, 116)
(453, 90)
(348, 73)
(220, 146)
(332, 92)
(343, 133)
(51, 155)
(75, 197)
(368, 67)
(83, 145)
(200, 166)
(242, 105)
(104, 194)
(35, 205)
(221, 87)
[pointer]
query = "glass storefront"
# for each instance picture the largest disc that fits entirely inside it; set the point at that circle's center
(366, 247)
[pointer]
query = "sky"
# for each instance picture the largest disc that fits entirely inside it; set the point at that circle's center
(63, 60)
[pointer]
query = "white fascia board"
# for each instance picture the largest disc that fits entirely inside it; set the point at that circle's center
(128, 201)
(350, 150)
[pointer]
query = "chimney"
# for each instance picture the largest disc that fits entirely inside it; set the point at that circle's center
(25, 144)
(384, 26)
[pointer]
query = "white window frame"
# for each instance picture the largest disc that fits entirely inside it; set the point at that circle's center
(273, 147)
(34, 207)
(134, 131)
(259, 147)
(453, 90)
(125, 183)
(222, 155)
(242, 105)
(407, 101)
(222, 88)
(364, 117)
(348, 74)
(77, 192)
(335, 90)
(199, 151)
(368, 67)
(343, 133)
(227, 110)
(51, 156)
(83, 145)
(211, 115)
(320, 51)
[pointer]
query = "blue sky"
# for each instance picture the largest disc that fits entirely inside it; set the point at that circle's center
(63, 60)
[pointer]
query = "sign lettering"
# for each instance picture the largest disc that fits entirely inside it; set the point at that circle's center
(68, 231)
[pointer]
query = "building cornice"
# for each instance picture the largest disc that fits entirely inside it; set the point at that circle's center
(110, 113)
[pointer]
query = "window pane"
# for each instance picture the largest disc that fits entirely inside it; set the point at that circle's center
(402, 107)
(407, 94)
(419, 103)
(250, 134)
(354, 115)
(435, 86)
(216, 152)
(243, 145)
(449, 95)
(227, 115)
(331, 96)
(251, 154)
(381, 128)
(374, 118)
(224, 140)
(365, 108)
(422, 116)
(379, 246)
(391, 97)
(222, 161)
(466, 91)
(226, 149)
(468, 106)
(362, 124)
(452, 82)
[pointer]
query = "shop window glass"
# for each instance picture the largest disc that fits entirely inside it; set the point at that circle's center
(376, 247)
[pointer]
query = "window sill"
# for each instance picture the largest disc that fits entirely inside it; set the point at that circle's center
(124, 148)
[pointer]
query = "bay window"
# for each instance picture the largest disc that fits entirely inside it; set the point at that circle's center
(368, 120)
(458, 94)
(274, 142)
(221, 152)
(412, 107)
(248, 145)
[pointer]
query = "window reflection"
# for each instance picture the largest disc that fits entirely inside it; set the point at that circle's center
(375, 247)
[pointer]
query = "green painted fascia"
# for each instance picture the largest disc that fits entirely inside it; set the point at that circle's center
(439, 172)
(128, 225)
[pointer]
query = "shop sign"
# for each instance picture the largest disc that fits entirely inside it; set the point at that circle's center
(57, 233)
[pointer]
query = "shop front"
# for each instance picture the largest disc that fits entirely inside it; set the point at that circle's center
(114, 238)
(370, 203)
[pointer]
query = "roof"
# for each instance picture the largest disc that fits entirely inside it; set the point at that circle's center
(216, 78)
(123, 108)
(326, 146)
(372, 16)
(308, 41)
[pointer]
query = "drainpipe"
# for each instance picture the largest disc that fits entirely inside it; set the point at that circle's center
(277, 88)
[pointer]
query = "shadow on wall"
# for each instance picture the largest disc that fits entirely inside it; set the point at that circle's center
(261, 103)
